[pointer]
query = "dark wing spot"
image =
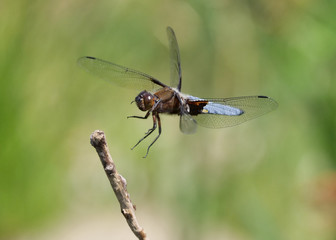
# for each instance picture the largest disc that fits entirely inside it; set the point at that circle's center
(157, 82)
(196, 107)
(91, 57)
(262, 97)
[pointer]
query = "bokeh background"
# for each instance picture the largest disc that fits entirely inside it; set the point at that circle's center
(271, 178)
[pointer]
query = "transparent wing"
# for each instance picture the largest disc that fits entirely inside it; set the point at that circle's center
(122, 76)
(227, 112)
(175, 62)
(187, 124)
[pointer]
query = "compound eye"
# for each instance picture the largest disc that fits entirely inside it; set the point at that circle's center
(145, 101)
(148, 98)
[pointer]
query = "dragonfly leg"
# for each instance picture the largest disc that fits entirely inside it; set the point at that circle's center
(145, 117)
(148, 113)
(148, 133)
(159, 123)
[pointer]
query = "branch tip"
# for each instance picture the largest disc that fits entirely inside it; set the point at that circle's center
(97, 138)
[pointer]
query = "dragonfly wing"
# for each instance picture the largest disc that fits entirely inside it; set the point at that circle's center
(227, 112)
(119, 75)
(187, 124)
(175, 62)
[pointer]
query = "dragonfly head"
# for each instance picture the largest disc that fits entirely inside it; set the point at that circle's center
(145, 101)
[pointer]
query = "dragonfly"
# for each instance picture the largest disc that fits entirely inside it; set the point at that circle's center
(157, 98)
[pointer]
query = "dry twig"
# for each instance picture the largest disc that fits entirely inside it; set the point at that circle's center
(118, 183)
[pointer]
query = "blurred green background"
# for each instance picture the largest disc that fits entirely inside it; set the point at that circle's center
(271, 178)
